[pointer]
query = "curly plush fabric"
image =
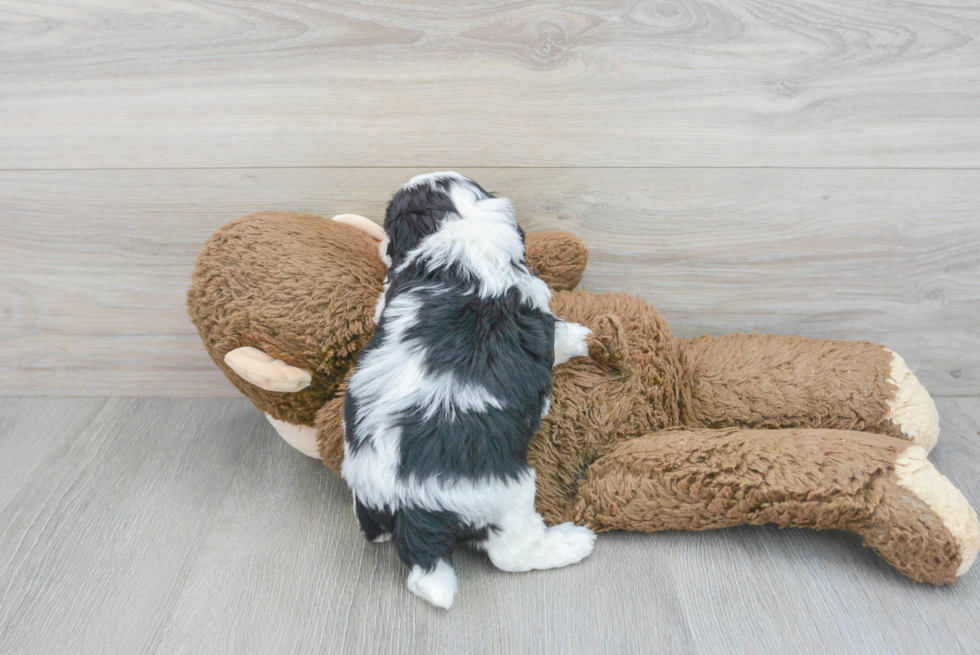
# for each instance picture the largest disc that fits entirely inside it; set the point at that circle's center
(277, 282)
(765, 381)
(682, 479)
(557, 258)
(647, 433)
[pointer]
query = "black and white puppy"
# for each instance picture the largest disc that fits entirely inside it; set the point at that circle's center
(451, 388)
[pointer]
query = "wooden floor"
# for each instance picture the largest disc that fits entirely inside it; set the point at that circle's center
(180, 525)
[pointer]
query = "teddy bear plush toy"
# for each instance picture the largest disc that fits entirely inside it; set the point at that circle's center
(648, 433)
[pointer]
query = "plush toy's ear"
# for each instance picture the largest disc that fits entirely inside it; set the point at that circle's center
(374, 230)
(558, 258)
(265, 371)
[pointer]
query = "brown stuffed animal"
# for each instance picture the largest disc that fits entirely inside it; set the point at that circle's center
(648, 433)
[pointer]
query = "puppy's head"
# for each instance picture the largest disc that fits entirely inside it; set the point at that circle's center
(421, 207)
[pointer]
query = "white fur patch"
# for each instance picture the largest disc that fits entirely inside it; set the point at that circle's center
(482, 238)
(570, 341)
(379, 305)
(438, 586)
(383, 252)
(522, 542)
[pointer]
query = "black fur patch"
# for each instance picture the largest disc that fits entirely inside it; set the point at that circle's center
(423, 537)
(374, 522)
(499, 344)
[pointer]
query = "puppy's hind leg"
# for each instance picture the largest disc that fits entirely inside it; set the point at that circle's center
(376, 524)
(522, 542)
(425, 542)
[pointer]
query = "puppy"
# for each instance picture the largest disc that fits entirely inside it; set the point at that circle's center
(451, 388)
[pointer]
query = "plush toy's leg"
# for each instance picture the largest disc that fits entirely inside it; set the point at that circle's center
(300, 437)
(765, 381)
(876, 486)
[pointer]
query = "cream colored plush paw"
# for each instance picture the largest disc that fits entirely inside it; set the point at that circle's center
(912, 408)
(917, 474)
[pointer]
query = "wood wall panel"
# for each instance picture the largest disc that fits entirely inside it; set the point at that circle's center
(94, 264)
(822, 83)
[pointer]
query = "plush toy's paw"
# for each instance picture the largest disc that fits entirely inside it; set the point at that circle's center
(607, 345)
(438, 586)
(921, 524)
(917, 474)
(912, 408)
(570, 341)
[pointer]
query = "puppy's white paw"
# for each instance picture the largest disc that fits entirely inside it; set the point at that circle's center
(438, 586)
(570, 341)
(565, 544)
(384, 537)
(912, 408)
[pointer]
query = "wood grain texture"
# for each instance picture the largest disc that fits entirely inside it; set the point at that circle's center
(94, 264)
(95, 543)
(182, 83)
(171, 526)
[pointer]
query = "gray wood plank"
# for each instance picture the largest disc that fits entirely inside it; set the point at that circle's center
(287, 553)
(598, 83)
(186, 526)
(30, 428)
(94, 264)
(95, 542)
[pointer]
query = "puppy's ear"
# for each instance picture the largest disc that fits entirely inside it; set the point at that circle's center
(412, 215)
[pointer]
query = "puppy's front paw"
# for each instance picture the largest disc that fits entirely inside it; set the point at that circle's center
(570, 341)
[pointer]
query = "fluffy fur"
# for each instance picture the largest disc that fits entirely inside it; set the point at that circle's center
(452, 387)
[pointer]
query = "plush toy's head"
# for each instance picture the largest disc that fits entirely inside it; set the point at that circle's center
(284, 301)
(294, 287)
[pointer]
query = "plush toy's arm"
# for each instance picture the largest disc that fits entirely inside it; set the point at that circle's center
(879, 487)
(330, 431)
(558, 258)
(765, 381)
